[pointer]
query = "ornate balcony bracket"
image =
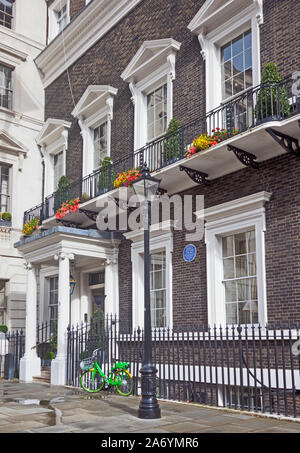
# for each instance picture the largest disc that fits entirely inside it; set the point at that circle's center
(289, 144)
(245, 157)
(90, 214)
(197, 176)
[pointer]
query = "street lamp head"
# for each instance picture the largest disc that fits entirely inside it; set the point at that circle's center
(146, 186)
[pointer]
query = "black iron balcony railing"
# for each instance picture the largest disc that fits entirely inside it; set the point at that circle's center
(264, 103)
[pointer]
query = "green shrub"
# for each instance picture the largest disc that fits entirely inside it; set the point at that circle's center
(62, 193)
(172, 144)
(106, 176)
(271, 100)
(49, 355)
(3, 328)
(6, 216)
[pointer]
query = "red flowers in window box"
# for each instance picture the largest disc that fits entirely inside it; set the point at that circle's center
(67, 207)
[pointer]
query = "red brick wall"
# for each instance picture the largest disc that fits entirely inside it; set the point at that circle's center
(75, 7)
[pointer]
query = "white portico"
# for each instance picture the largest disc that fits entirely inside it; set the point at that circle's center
(60, 252)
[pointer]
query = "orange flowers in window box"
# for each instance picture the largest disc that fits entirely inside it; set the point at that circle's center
(205, 141)
(67, 207)
(126, 178)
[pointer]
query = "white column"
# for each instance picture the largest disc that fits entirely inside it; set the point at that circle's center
(30, 364)
(112, 288)
(59, 364)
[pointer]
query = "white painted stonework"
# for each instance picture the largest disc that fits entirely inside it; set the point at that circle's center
(19, 127)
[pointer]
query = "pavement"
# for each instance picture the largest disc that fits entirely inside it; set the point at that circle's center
(41, 408)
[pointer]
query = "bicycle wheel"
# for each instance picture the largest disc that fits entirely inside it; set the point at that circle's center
(126, 385)
(89, 384)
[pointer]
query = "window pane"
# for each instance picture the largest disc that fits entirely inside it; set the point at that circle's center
(242, 289)
(227, 70)
(241, 266)
(230, 292)
(252, 264)
(238, 83)
(231, 314)
(240, 243)
(228, 268)
(227, 245)
(248, 40)
(248, 59)
(227, 89)
(238, 64)
(248, 78)
(237, 46)
(226, 53)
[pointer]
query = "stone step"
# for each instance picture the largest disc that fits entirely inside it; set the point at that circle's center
(45, 375)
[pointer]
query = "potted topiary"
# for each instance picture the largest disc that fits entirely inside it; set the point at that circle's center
(172, 143)
(49, 356)
(3, 328)
(105, 176)
(272, 101)
(5, 219)
(62, 192)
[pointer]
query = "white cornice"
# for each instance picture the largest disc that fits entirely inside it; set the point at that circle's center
(157, 52)
(17, 55)
(214, 13)
(80, 35)
(52, 130)
(93, 99)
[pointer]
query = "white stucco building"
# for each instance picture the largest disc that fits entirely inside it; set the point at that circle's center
(22, 37)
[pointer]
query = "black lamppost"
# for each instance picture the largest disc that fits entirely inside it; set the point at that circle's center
(146, 188)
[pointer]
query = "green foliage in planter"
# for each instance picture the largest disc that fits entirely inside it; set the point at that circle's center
(49, 355)
(85, 197)
(106, 176)
(172, 144)
(3, 328)
(271, 100)
(62, 193)
(6, 216)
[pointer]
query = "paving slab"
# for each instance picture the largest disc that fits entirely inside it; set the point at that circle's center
(49, 409)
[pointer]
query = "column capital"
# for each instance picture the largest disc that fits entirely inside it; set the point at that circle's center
(113, 260)
(28, 266)
(62, 256)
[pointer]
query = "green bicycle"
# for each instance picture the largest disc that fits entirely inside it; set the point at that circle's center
(93, 378)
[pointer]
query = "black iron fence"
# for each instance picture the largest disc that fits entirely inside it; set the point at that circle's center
(264, 103)
(12, 343)
(250, 368)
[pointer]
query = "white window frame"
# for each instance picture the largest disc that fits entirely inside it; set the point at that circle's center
(53, 139)
(93, 109)
(53, 10)
(146, 76)
(211, 40)
(234, 217)
(160, 240)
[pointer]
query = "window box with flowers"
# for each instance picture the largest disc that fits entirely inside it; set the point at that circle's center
(31, 226)
(127, 178)
(67, 208)
(205, 141)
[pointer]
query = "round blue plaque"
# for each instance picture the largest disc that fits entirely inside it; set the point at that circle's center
(189, 253)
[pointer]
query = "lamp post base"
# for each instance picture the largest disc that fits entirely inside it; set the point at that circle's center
(149, 407)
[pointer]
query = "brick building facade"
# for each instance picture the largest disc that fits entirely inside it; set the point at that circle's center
(187, 39)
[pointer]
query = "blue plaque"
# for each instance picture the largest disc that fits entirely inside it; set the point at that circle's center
(189, 253)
